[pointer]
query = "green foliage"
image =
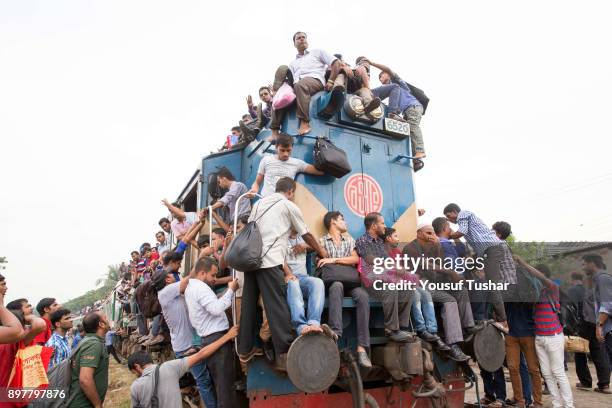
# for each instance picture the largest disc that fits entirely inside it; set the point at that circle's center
(2, 262)
(536, 253)
(108, 282)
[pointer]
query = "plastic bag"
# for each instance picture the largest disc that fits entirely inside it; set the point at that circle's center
(283, 97)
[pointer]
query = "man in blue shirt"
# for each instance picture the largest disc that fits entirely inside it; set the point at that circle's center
(61, 322)
(602, 293)
(402, 101)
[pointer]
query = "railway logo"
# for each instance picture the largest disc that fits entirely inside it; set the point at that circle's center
(363, 194)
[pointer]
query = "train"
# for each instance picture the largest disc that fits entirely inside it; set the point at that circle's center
(381, 180)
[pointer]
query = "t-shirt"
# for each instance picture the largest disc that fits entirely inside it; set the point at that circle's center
(175, 313)
(520, 319)
(206, 311)
(273, 169)
(7, 359)
(275, 225)
(181, 228)
(168, 391)
(44, 336)
(546, 319)
(296, 262)
(91, 353)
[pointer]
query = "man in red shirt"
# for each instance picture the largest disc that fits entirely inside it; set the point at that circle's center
(44, 308)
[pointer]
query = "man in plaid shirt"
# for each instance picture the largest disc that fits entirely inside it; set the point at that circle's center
(61, 322)
(498, 263)
(341, 249)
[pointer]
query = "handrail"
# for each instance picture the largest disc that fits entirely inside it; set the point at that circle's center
(210, 218)
(248, 195)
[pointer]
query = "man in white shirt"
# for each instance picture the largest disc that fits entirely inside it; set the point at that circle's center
(171, 299)
(308, 73)
(163, 245)
(272, 168)
(207, 315)
(276, 215)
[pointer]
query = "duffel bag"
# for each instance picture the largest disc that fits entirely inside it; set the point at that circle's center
(330, 159)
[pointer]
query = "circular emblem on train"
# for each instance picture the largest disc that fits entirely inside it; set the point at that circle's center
(363, 194)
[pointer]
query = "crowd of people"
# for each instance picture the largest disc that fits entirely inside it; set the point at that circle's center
(316, 70)
(205, 309)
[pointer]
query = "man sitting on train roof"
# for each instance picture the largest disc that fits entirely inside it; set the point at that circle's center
(341, 249)
(357, 81)
(274, 167)
(307, 72)
(258, 116)
(396, 303)
(406, 100)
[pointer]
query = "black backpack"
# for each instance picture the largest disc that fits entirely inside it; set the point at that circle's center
(245, 251)
(330, 159)
(146, 298)
(568, 313)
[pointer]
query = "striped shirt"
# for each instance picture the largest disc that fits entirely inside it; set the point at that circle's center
(476, 233)
(61, 349)
(347, 244)
(545, 317)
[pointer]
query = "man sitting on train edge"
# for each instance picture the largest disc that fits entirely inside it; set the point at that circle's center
(498, 263)
(276, 215)
(273, 168)
(301, 286)
(341, 249)
(356, 81)
(396, 303)
(308, 73)
(422, 312)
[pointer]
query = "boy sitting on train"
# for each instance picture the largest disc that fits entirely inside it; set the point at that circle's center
(301, 286)
(258, 116)
(396, 303)
(274, 167)
(341, 249)
(423, 312)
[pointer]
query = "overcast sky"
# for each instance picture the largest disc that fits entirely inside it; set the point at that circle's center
(106, 107)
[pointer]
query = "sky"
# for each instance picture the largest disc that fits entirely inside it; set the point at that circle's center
(106, 107)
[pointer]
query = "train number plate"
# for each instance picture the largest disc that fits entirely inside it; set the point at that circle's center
(396, 126)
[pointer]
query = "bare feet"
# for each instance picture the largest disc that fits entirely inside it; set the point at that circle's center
(419, 155)
(304, 127)
(311, 329)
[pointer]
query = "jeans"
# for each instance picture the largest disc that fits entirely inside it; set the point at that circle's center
(156, 325)
(550, 354)
(312, 289)
(391, 91)
(413, 116)
(423, 312)
(598, 355)
(494, 384)
(526, 381)
(203, 380)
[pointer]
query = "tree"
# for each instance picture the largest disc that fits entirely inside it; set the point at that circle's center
(3, 261)
(111, 278)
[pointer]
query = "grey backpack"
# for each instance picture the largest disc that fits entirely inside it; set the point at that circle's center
(60, 377)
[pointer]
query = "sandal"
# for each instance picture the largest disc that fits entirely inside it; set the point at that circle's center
(486, 400)
(581, 386)
(417, 164)
(603, 390)
(497, 404)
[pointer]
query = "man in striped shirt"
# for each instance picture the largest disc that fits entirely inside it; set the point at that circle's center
(61, 322)
(498, 263)
(549, 340)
